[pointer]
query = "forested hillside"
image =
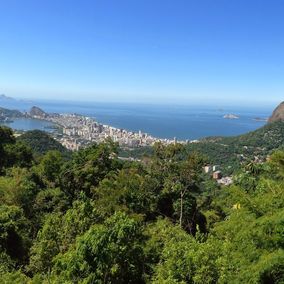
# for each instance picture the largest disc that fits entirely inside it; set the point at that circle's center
(10, 113)
(41, 142)
(97, 219)
(231, 152)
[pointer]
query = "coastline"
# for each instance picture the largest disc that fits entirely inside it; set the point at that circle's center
(163, 122)
(78, 131)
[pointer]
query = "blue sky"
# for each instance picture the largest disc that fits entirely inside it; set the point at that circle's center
(179, 51)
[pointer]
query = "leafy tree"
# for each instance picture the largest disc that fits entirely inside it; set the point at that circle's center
(6, 137)
(50, 166)
(183, 259)
(108, 253)
(48, 201)
(277, 163)
(19, 188)
(88, 167)
(15, 277)
(18, 154)
(181, 178)
(14, 233)
(129, 190)
(59, 231)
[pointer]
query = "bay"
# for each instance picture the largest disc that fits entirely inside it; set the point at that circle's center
(30, 124)
(163, 121)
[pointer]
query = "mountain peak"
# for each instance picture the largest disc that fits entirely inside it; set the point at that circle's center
(36, 111)
(278, 113)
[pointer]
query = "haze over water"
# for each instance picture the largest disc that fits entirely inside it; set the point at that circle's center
(163, 121)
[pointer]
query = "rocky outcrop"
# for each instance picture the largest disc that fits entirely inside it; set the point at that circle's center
(278, 114)
(37, 112)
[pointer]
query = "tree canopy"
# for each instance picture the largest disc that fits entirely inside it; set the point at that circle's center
(94, 218)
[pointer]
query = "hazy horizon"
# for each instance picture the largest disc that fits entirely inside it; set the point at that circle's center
(159, 120)
(195, 103)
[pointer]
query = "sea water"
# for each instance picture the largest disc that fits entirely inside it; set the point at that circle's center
(163, 121)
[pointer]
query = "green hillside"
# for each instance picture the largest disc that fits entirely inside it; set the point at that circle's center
(230, 152)
(97, 219)
(41, 142)
(10, 113)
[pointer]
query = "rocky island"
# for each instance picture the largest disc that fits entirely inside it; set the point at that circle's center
(231, 116)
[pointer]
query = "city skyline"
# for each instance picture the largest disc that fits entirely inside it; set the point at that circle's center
(143, 51)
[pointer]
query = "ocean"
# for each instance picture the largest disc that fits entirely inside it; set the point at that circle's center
(163, 121)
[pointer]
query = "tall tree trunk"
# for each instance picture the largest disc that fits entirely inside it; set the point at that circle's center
(181, 208)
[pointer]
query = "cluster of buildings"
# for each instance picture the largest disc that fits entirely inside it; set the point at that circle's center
(217, 175)
(79, 131)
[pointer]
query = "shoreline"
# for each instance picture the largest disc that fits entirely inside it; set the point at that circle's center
(198, 124)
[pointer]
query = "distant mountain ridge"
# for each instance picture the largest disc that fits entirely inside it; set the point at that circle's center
(4, 97)
(278, 113)
(14, 113)
(10, 113)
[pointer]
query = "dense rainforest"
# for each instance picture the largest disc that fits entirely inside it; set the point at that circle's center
(94, 218)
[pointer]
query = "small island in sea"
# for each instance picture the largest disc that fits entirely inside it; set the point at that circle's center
(260, 119)
(231, 116)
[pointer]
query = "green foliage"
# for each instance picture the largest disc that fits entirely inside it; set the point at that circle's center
(277, 164)
(19, 188)
(18, 154)
(179, 257)
(48, 201)
(108, 253)
(129, 191)
(87, 168)
(11, 113)
(229, 152)
(96, 219)
(14, 233)
(15, 277)
(50, 165)
(59, 231)
(6, 136)
(41, 142)
(13, 153)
